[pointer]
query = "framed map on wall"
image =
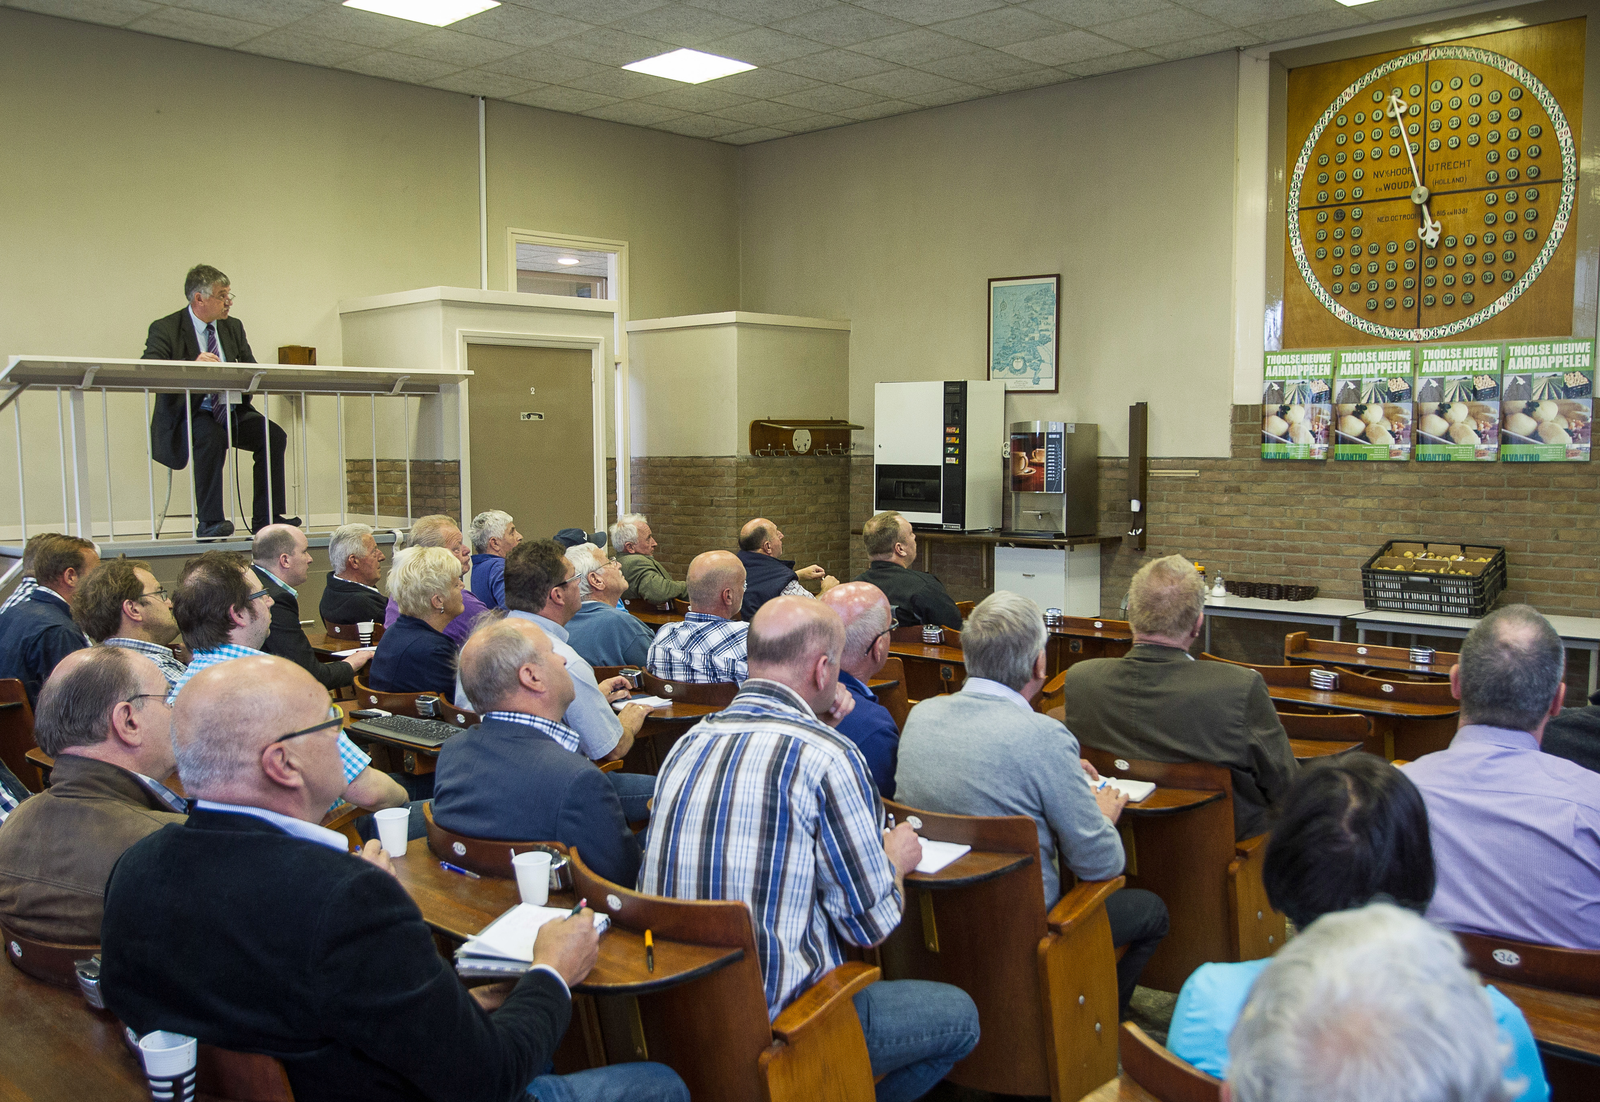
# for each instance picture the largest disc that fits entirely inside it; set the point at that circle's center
(1024, 312)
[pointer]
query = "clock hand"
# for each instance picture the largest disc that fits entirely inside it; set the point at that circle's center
(1429, 230)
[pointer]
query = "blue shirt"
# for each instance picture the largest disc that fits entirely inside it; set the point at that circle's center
(870, 726)
(413, 657)
(488, 581)
(1215, 994)
(607, 636)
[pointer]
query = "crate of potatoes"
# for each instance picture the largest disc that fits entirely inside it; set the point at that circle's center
(1449, 578)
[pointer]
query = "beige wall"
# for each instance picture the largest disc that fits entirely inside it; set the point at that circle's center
(1123, 184)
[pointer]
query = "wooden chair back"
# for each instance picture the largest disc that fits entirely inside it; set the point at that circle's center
(229, 1076)
(1384, 688)
(49, 961)
(343, 819)
(677, 605)
(718, 694)
(1575, 971)
(1052, 695)
(1289, 675)
(1158, 1071)
(965, 608)
(1298, 646)
(405, 704)
(896, 700)
(484, 856)
(1041, 982)
(912, 633)
(16, 733)
(1333, 727)
(1092, 625)
(349, 633)
(639, 604)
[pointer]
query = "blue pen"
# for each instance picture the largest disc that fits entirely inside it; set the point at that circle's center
(448, 867)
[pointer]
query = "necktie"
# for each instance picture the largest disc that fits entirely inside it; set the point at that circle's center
(219, 400)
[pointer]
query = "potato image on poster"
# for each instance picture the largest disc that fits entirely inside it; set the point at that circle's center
(1458, 404)
(1296, 418)
(1549, 420)
(1374, 396)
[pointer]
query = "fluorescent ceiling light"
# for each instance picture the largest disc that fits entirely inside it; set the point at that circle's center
(1354, 3)
(689, 66)
(437, 13)
(568, 260)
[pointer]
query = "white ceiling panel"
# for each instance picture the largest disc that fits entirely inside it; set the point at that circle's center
(914, 47)
(114, 13)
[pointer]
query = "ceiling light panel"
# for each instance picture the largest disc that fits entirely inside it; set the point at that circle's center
(689, 66)
(435, 13)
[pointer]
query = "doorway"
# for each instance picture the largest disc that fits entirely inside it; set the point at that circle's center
(540, 469)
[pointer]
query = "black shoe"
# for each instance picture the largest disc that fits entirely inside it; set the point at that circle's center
(292, 522)
(222, 529)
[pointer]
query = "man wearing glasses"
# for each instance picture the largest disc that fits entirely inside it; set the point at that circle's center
(103, 716)
(868, 620)
(122, 605)
(203, 331)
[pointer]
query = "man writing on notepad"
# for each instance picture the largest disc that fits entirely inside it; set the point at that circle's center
(985, 751)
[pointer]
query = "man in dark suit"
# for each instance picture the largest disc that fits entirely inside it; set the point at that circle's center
(515, 776)
(203, 331)
(1158, 703)
(282, 560)
(917, 597)
(39, 632)
(351, 595)
(767, 574)
(251, 927)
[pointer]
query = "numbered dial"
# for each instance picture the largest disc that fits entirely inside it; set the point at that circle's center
(1426, 246)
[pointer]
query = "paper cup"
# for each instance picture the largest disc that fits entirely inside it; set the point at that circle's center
(394, 823)
(364, 629)
(533, 876)
(169, 1065)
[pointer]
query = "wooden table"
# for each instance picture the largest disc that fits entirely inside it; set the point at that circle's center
(972, 867)
(1567, 1025)
(1319, 610)
(1305, 749)
(1421, 727)
(1170, 801)
(59, 1050)
(1577, 632)
(1367, 662)
(932, 669)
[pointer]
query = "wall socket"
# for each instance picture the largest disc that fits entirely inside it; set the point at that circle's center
(533, 417)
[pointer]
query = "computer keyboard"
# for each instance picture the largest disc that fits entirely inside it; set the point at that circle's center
(431, 733)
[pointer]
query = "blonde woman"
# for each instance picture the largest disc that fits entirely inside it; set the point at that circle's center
(415, 655)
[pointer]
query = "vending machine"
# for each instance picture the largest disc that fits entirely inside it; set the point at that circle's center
(939, 458)
(1054, 472)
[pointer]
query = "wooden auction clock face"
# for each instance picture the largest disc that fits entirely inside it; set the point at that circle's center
(1432, 192)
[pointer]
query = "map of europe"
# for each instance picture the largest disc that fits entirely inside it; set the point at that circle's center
(1022, 346)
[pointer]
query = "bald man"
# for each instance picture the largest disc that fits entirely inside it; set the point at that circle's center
(765, 802)
(867, 619)
(289, 944)
(767, 573)
(707, 645)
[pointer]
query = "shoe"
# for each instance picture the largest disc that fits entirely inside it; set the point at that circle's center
(292, 522)
(222, 529)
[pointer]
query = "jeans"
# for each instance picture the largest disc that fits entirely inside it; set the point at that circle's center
(916, 1031)
(636, 1082)
(634, 790)
(1139, 921)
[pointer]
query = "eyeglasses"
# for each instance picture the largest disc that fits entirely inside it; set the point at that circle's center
(225, 296)
(335, 719)
(892, 625)
(160, 592)
(572, 579)
(147, 696)
(257, 595)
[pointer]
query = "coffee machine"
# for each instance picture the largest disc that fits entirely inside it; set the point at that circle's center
(1053, 476)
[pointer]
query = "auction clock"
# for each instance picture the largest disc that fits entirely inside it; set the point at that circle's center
(1432, 191)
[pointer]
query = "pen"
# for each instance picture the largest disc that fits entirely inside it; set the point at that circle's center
(891, 820)
(649, 952)
(448, 867)
(580, 905)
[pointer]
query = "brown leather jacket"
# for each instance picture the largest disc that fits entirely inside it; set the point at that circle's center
(57, 848)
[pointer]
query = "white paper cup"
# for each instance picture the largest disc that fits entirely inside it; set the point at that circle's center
(533, 876)
(364, 629)
(169, 1063)
(394, 823)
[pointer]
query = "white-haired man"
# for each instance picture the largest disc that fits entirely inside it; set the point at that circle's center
(648, 580)
(439, 530)
(985, 751)
(494, 535)
(352, 595)
(1157, 703)
(602, 631)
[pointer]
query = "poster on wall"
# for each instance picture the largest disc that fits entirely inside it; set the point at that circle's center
(1458, 403)
(1295, 411)
(1372, 404)
(1024, 316)
(1548, 401)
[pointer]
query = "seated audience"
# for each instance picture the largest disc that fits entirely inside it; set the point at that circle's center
(571, 537)
(1353, 830)
(493, 535)
(352, 595)
(1516, 833)
(985, 751)
(765, 802)
(708, 644)
(27, 583)
(251, 927)
(416, 656)
(282, 562)
(103, 716)
(513, 777)
(917, 598)
(438, 530)
(767, 573)
(1575, 734)
(222, 616)
(635, 549)
(12, 793)
(602, 631)
(122, 605)
(867, 619)
(39, 631)
(1157, 703)
(1372, 1005)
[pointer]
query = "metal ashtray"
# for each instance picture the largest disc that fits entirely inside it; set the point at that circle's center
(560, 869)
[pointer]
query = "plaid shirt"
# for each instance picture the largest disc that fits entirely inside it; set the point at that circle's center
(351, 756)
(171, 668)
(24, 589)
(560, 734)
(764, 803)
(700, 648)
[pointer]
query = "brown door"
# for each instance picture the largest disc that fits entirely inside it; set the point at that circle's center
(539, 471)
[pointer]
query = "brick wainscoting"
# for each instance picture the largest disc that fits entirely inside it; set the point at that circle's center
(435, 487)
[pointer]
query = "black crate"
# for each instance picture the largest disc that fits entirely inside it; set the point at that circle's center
(1444, 594)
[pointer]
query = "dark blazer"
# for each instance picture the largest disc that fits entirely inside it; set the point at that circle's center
(287, 639)
(917, 598)
(414, 658)
(34, 635)
(172, 338)
(350, 603)
(506, 780)
(764, 578)
(228, 929)
(1575, 735)
(1157, 704)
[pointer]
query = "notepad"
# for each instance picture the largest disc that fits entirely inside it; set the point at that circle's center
(505, 946)
(937, 855)
(1134, 790)
(647, 701)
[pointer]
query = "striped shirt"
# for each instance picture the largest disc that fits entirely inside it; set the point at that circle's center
(24, 589)
(559, 733)
(171, 668)
(700, 648)
(764, 803)
(351, 757)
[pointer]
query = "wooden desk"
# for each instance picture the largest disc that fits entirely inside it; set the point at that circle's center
(1307, 749)
(1577, 632)
(972, 867)
(1408, 730)
(1319, 610)
(58, 1050)
(654, 620)
(1356, 656)
(1567, 1025)
(1120, 1089)
(932, 669)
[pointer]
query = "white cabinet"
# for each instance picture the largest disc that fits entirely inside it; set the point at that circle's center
(1055, 577)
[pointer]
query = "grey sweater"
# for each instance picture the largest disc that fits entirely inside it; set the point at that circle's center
(972, 754)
